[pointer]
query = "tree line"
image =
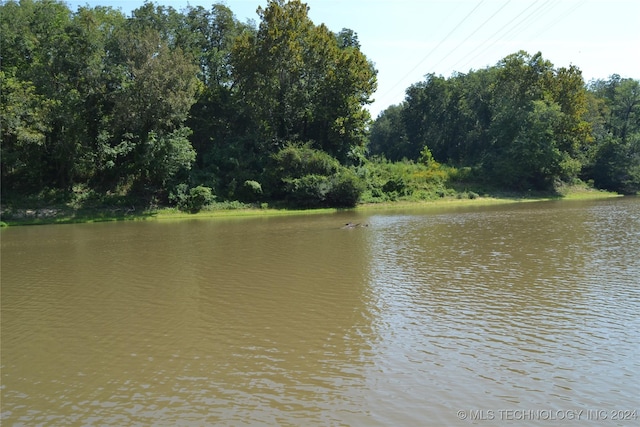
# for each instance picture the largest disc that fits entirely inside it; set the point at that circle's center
(521, 124)
(161, 102)
(182, 107)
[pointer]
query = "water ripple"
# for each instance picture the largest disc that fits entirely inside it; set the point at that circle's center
(295, 321)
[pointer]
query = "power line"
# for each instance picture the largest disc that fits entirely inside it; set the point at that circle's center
(528, 17)
(476, 30)
(564, 16)
(509, 29)
(433, 50)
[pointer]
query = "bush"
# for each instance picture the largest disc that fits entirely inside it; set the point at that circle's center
(192, 200)
(342, 189)
(253, 186)
(346, 189)
(300, 161)
(199, 197)
(251, 191)
(312, 178)
(395, 184)
(180, 196)
(228, 205)
(308, 191)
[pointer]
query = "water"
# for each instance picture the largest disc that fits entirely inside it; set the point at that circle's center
(521, 314)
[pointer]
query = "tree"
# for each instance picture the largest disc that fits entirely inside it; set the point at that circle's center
(302, 82)
(217, 119)
(58, 55)
(430, 105)
(24, 124)
(616, 164)
(538, 129)
(152, 90)
(450, 116)
(522, 123)
(533, 159)
(388, 135)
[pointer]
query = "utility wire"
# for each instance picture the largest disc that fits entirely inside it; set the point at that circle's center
(433, 50)
(515, 26)
(564, 16)
(509, 29)
(476, 30)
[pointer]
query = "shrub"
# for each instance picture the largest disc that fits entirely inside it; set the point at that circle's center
(180, 196)
(426, 158)
(395, 184)
(251, 191)
(254, 186)
(308, 191)
(228, 205)
(312, 178)
(346, 189)
(192, 200)
(199, 197)
(300, 161)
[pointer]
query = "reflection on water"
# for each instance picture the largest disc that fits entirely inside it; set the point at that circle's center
(295, 321)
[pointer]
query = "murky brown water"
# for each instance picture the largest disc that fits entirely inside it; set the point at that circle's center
(518, 314)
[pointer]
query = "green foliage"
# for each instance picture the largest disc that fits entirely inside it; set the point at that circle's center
(253, 186)
(616, 157)
(96, 105)
(312, 178)
(395, 184)
(24, 124)
(199, 197)
(229, 205)
(538, 126)
(308, 190)
(346, 189)
(301, 82)
(522, 123)
(406, 180)
(167, 155)
(299, 161)
(251, 191)
(191, 199)
(180, 196)
(426, 158)
(388, 135)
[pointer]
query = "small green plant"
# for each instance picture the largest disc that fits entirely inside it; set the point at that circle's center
(426, 158)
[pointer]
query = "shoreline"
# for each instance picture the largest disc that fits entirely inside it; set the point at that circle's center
(53, 215)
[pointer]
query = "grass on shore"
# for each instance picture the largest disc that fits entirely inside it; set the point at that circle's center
(66, 214)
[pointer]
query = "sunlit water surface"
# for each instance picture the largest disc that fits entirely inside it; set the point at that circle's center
(469, 316)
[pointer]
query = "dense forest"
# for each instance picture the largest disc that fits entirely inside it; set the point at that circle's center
(187, 107)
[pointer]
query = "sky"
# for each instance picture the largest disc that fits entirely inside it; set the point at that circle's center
(407, 39)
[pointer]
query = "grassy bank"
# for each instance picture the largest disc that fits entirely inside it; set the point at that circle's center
(68, 214)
